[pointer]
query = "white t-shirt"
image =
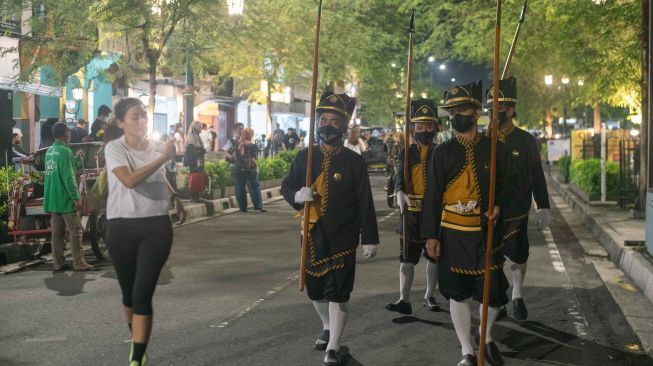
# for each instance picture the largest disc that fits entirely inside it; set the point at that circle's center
(358, 148)
(205, 136)
(149, 198)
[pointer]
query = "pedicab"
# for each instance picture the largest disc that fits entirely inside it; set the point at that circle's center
(29, 224)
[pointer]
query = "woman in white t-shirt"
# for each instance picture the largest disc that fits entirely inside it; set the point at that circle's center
(354, 141)
(139, 232)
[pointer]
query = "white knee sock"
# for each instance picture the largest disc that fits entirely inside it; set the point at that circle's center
(518, 274)
(462, 322)
(322, 308)
(492, 314)
(431, 278)
(338, 318)
(406, 275)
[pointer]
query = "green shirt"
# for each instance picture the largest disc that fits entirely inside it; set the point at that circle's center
(60, 184)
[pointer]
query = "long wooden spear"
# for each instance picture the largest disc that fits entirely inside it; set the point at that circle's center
(522, 17)
(309, 159)
(493, 173)
(409, 88)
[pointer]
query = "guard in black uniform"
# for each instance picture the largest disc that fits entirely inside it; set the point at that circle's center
(454, 220)
(342, 216)
(424, 113)
(529, 182)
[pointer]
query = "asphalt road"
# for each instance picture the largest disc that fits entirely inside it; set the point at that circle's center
(228, 296)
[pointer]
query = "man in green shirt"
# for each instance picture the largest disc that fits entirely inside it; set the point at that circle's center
(61, 200)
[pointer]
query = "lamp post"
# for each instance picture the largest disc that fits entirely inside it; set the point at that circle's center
(565, 81)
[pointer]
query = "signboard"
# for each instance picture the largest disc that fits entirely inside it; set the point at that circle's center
(556, 149)
(582, 144)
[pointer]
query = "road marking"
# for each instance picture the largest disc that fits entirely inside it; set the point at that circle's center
(388, 216)
(243, 310)
(580, 322)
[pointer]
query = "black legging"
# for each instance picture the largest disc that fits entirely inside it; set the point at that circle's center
(139, 248)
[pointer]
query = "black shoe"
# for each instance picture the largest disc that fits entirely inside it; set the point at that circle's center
(261, 209)
(400, 307)
(431, 305)
(503, 313)
(492, 354)
(468, 360)
(322, 341)
(519, 309)
(332, 358)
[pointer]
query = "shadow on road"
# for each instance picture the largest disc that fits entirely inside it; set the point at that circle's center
(67, 283)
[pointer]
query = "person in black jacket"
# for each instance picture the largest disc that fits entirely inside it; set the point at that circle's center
(529, 183)
(454, 218)
(424, 114)
(342, 215)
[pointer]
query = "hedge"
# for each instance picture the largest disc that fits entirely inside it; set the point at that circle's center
(586, 174)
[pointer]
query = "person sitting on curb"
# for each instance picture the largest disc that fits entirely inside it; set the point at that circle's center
(62, 200)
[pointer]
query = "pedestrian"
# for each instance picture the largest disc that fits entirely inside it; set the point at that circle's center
(79, 132)
(454, 218)
(342, 215)
(444, 134)
(247, 172)
(354, 142)
(213, 137)
(230, 151)
(46, 132)
(409, 197)
(17, 151)
(277, 140)
(290, 140)
(62, 201)
(100, 123)
(139, 230)
(302, 140)
(15, 129)
(529, 183)
(205, 136)
(194, 154)
(180, 143)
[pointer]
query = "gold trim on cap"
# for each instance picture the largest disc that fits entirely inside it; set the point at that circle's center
(333, 108)
(423, 119)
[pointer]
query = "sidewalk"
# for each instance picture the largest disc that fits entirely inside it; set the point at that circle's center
(617, 232)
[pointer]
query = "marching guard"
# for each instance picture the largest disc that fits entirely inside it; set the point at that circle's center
(454, 218)
(409, 199)
(341, 215)
(529, 183)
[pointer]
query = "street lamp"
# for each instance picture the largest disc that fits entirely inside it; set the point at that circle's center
(548, 80)
(453, 80)
(581, 82)
(565, 80)
(235, 7)
(443, 67)
(431, 59)
(393, 65)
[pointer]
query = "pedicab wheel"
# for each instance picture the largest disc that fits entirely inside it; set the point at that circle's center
(33, 248)
(97, 234)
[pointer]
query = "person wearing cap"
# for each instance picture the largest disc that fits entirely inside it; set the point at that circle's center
(455, 218)
(341, 215)
(529, 183)
(409, 197)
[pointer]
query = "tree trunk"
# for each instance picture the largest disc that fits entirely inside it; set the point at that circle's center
(597, 119)
(152, 84)
(268, 108)
(548, 128)
(643, 133)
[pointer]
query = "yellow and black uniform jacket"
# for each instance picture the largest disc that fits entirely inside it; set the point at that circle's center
(342, 214)
(522, 150)
(448, 162)
(418, 161)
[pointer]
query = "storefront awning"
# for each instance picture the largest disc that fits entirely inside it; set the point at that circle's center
(38, 89)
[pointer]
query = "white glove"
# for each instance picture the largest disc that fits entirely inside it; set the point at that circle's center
(402, 201)
(304, 195)
(369, 251)
(542, 218)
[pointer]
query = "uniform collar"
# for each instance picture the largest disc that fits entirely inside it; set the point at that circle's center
(329, 150)
(504, 132)
(468, 143)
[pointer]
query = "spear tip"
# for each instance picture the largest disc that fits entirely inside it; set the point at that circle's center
(523, 12)
(412, 21)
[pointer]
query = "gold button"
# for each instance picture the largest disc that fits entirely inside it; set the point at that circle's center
(337, 177)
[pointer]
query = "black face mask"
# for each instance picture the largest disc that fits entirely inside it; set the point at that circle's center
(462, 123)
(424, 138)
(330, 135)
